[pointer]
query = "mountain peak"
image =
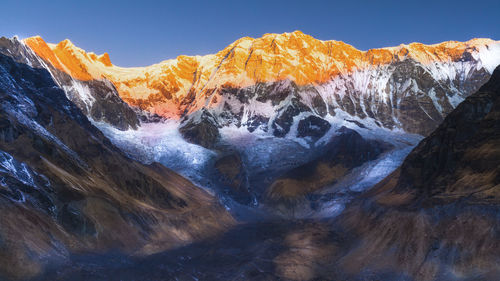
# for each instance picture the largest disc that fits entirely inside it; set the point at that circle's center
(66, 43)
(293, 56)
(104, 58)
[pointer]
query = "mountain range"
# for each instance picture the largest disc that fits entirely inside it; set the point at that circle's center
(330, 162)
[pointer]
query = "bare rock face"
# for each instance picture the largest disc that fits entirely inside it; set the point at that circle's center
(200, 129)
(108, 107)
(313, 127)
(97, 99)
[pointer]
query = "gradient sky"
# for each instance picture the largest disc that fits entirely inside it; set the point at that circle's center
(137, 33)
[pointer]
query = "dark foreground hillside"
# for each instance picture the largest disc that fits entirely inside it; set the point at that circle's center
(436, 217)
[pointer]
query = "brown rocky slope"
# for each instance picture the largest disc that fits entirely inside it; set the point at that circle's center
(436, 217)
(64, 188)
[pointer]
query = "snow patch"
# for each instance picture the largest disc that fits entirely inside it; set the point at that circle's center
(161, 142)
(16, 169)
(489, 56)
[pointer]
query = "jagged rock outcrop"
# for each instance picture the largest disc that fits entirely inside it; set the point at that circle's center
(313, 127)
(201, 128)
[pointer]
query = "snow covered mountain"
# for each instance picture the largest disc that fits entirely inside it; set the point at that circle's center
(65, 188)
(270, 105)
(284, 125)
(257, 81)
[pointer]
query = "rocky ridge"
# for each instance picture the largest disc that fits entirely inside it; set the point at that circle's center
(267, 82)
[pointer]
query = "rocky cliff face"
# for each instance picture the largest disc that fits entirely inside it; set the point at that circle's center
(64, 188)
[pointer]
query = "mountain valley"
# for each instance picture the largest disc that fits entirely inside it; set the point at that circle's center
(283, 157)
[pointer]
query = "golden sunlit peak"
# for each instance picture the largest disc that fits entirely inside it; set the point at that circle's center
(244, 42)
(273, 57)
(66, 42)
(295, 33)
(286, 35)
(104, 58)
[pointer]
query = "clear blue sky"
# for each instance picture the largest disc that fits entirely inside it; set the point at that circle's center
(137, 33)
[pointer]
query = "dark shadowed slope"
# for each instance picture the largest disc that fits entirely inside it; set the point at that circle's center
(436, 217)
(64, 188)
